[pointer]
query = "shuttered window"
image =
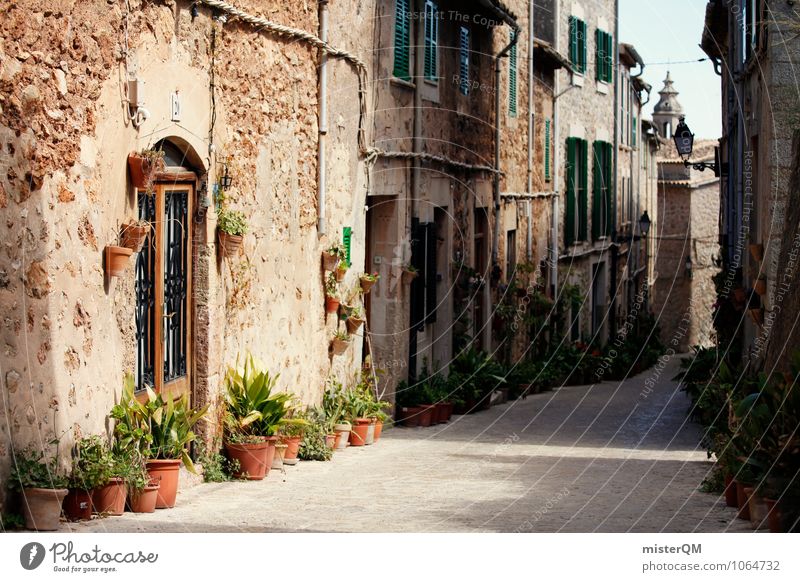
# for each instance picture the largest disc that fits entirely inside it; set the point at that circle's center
(463, 71)
(602, 218)
(577, 44)
(402, 36)
(512, 78)
(577, 212)
(431, 41)
(633, 131)
(604, 56)
(547, 148)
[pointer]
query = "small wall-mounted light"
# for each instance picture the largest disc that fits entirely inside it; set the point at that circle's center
(225, 180)
(688, 267)
(644, 223)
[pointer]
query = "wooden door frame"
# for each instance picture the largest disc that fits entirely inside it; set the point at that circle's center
(166, 182)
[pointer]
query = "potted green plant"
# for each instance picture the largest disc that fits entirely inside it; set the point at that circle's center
(316, 444)
(253, 416)
(367, 280)
(143, 167)
(355, 319)
(142, 488)
(410, 273)
(92, 468)
(332, 256)
(231, 228)
(332, 298)
(161, 430)
(341, 341)
(291, 434)
(333, 408)
(43, 488)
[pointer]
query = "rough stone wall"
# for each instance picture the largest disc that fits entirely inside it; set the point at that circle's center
(67, 333)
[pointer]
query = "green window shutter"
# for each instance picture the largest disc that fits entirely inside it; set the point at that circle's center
(347, 237)
(597, 178)
(431, 41)
(573, 41)
(610, 58)
(547, 150)
(610, 183)
(464, 61)
(582, 38)
(583, 201)
(569, 222)
(633, 130)
(512, 79)
(599, 43)
(402, 35)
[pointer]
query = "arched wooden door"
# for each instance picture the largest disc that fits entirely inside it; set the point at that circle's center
(164, 285)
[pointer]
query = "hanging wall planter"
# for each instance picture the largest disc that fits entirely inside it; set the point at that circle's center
(117, 260)
(409, 274)
(230, 244)
(143, 167)
(329, 261)
(757, 251)
(760, 286)
(133, 235)
(340, 343)
(231, 228)
(331, 304)
(341, 271)
(353, 323)
(367, 281)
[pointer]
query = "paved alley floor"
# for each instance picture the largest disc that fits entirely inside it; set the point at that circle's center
(608, 458)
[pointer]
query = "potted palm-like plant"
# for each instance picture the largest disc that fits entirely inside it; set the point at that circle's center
(231, 227)
(291, 434)
(333, 408)
(92, 469)
(159, 429)
(252, 418)
(357, 408)
(43, 488)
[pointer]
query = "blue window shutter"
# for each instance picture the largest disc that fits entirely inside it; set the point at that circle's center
(402, 36)
(464, 61)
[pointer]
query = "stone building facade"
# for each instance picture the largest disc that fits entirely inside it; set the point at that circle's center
(755, 49)
(210, 89)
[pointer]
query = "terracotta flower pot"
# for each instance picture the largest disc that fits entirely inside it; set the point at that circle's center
(133, 236)
(341, 271)
(331, 304)
(165, 471)
(329, 261)
(774, 516)
(742, 501)
(110, 498)
(445, 411)
(426, 414)
(42, 508)
(342, 435)
(144, 501)
(370, 432)
(277, 458)
(358, 436)
(378, 430)
(230, 244)
(409, 415)
(730, 492)
(439, 413)
(255, 459)
(117, 260)
(366, 284)
(78, 505)
(757, 251)
(760, 286)
(409, 276)
(353, 323)
(292, 449)
(330, 440)
(143, 171)
(757, 508)
(339, 346)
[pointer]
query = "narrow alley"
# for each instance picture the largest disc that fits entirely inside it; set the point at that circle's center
(580, 459)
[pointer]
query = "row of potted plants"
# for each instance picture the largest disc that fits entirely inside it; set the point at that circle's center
(138, 464)
(751, 425)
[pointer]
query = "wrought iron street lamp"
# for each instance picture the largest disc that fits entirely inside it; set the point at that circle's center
(684, 143)
(644, 224)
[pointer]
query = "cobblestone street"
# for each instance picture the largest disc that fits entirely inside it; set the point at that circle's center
(580, 459)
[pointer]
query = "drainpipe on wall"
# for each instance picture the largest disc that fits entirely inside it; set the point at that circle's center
(497, 116)
(531, 135)
(323, 119)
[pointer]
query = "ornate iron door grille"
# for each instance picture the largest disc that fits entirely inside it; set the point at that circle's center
(146, 298)
(175, 283)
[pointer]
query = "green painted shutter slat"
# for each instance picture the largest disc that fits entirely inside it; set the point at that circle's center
(584, 190)
(569, 223)
(347, 236)
(431, 40)
(598, 54)
(597, 178)
(610, 58)
(610, 197)
(547, 150)
(402, 34)
(464, 61)
(583, 46)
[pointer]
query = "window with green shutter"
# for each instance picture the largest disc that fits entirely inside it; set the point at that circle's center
(431, 64)
(512, 79)
(633, 132)
(575, 225)
(402, 39)
(547, 148)
(602, 222)
(463, 72)
(577, 44)
(604, 56)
